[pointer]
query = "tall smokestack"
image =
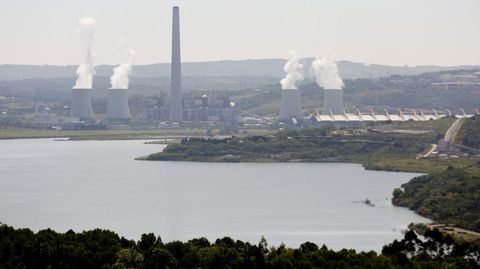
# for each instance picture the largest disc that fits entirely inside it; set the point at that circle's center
(176, 108)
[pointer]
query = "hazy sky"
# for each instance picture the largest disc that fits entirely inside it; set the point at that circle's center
(398, 32)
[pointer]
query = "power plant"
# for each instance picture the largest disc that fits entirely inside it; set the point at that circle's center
(333, 112)
(333, 102)
(81, 104)
(176, 104)
(118, 105)
(291, 107)
(190, 110)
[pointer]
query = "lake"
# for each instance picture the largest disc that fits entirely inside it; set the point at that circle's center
(82, 185)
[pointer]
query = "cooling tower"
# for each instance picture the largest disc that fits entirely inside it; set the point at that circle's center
(333, 101)
(291, 105)
(176, 108)
(118, 105)
(81, 104)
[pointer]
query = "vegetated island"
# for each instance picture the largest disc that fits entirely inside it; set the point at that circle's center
(22, 248)
(449, 193)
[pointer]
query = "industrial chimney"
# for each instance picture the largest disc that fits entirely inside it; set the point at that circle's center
(176, 107)
(81, 104)
(333, 102)
(118, 105)
(291, 105)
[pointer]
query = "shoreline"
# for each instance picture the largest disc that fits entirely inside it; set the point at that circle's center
(402, 165)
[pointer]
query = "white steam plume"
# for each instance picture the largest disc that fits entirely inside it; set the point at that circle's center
(292, 68)
(86, 70)
(121, 73)
(326, 72)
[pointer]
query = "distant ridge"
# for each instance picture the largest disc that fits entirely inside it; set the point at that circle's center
(227, 68)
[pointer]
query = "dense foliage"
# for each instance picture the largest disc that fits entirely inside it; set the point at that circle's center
(306, 145)
(471, 132)
(451, 196)
(22, 248)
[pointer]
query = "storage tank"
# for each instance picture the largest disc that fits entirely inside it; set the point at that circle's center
(81, 104)
(333, 102)
(118, 105)
(291, 105)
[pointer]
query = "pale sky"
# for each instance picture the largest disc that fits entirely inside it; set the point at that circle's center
(396, 32)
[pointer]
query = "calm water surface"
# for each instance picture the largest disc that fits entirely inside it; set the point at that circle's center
(88, 184)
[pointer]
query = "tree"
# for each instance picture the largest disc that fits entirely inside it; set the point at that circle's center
(159, 258)
(128, 258)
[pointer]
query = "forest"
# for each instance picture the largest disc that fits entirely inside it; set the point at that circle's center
(471, 133)
(448, 197)
(23, 248)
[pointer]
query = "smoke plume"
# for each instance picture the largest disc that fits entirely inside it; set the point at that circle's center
(86, 70)
(326, 72)
(292, 68)
(121, 73)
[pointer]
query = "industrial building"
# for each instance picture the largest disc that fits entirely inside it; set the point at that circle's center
(159, 111)
(334, 112)
(359, 118)
(216, 110)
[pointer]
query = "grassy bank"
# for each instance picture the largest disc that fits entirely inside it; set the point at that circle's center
(14, 133)
(17, 133)
(421, 165)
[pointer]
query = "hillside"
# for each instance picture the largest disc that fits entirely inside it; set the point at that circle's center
(448, 197)
(451, 195)
(261, 95)
(439, 90)
(470, 133)
(250, 67)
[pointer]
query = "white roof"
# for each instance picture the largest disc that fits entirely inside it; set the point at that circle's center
(377, 117)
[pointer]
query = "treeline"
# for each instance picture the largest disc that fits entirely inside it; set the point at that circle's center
(306, 145)
(22, 248)
(451, 196)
